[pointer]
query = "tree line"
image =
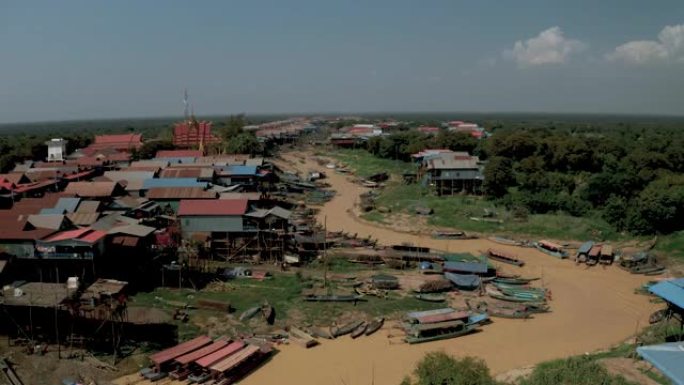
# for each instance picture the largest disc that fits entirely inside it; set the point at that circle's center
(629, 175)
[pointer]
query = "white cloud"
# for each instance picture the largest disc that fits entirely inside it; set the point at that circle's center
(549, 47)
(668, 47)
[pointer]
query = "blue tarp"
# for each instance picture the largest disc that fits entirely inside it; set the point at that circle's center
(239, 170)
(466, 267)
(671, 291)
(586, 246)
(172, 182)
(668, 358)
(64, 205)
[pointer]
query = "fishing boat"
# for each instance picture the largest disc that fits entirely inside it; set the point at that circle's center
(505, 241)
(419, 333)
(514, 281)
(550, 248)
(496, 294)
(447, 234)
(249, 313)
(419, 314)
(321, 332)
(359, 330)
(301, 337)
(646, 269)
(431, 297)
(345, 329)
(505, 257)
(464, 281)
(333, 298)
(374, 325)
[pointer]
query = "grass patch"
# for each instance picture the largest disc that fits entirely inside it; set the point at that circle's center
(365, 164)
(672, 245)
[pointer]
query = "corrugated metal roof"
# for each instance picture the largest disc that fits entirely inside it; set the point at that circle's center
(150, 163)
(237, 170)
(668, 358)
(172, 182)
(183, 172)
(205, 351)
(179, 350)
(128, 176)
(68, 204)
(136, 230)
(91, 189)
(671, 291)
(180, 193)
(178, 153)
(50, 221)
(233, 360)
(212, 207)
(86, 235)
(252, 196)
(88, 207)
(83, 219)
(220, 354)
(276, 211)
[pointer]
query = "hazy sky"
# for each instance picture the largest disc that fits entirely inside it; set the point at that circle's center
(99, 59)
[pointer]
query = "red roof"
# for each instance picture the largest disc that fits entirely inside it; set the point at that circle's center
(179, 154)
(197, 354)
(427, 129)
(84, 235)
(220, 354)
(188, 134)
(179, 350)
(117, 139)
(212, 207)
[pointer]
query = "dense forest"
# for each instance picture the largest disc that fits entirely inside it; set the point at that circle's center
(629, 173)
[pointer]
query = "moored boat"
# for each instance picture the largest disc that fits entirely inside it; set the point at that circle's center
(550, 248)
(333, 298)
(505, 257)
(345, 329)
(359, 330)
(249, 313)
(374, 326)
(431, 297)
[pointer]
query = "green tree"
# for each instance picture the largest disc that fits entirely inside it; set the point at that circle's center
(244, 143)
(573, 371)
(439, 368)
(233, 127)
(498, 176)
(149, 148)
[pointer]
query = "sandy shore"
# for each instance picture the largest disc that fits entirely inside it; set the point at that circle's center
(592, 309)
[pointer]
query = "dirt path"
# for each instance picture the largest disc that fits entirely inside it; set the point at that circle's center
(592, 309)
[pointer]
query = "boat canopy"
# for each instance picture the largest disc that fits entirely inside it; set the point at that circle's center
(667, 357)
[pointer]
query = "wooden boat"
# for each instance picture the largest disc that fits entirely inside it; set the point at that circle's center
(496, 294)
(302, 338)
(514, 281)
(345, 329)
(374, 325)
(505, 241)
(267, 311)
(333, 298)
(446, 234)
(502, 256)
(655, 272)
(550, 248)
(501, 311)
(419, 314)
(645, 269)
(449, 331)
(431, 297)
(359, 330)
(249, 313)
(321, 332)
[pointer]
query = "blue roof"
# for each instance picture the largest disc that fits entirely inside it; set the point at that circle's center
(585, 247)
(51, 211)
(671, 291)
(68, 204)
(63, 205)
(172, 182)
(239, 170)
(178, 159)
(470, 267)
(668, 358)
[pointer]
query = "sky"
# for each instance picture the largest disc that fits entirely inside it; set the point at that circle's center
(64, 60)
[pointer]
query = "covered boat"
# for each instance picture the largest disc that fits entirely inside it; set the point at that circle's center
(464, 281)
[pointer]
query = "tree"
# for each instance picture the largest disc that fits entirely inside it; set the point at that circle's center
(233, 127)
(498, 176)
(244, 143)
(439, 368)
(149, 148)
(573, 371)
(456, 141)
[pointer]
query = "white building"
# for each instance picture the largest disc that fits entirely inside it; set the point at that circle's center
(56, 150)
